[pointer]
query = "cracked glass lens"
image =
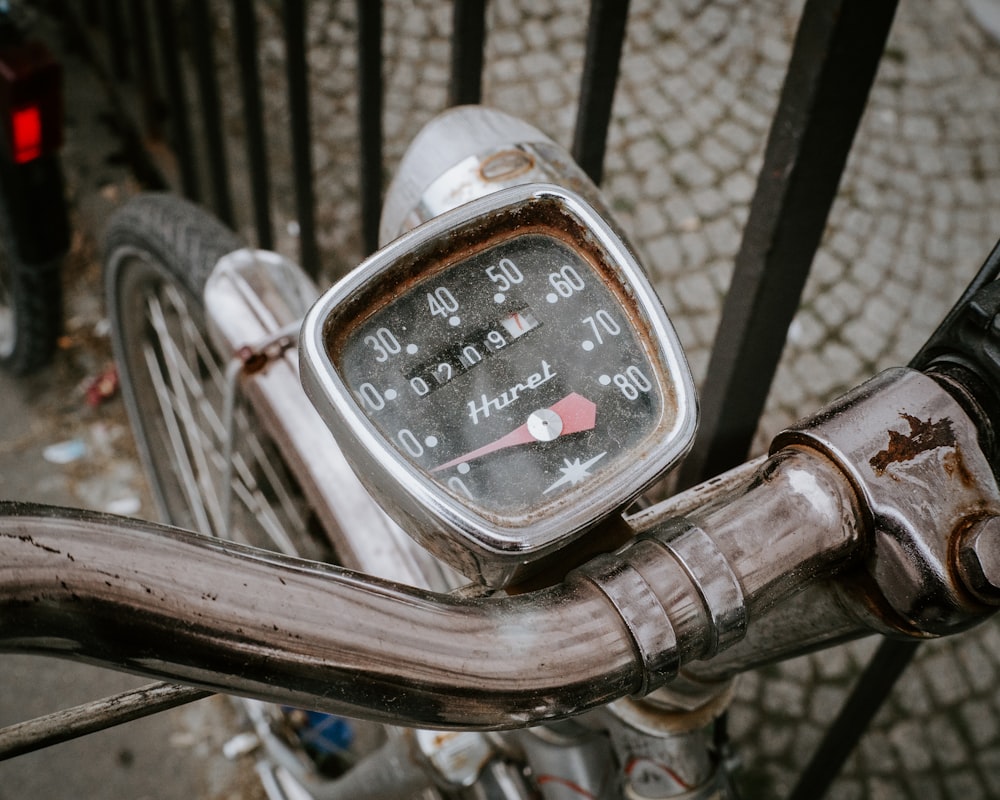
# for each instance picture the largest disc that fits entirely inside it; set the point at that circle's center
(513, 378)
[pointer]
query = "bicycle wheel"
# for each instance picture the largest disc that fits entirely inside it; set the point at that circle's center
(30, 307)
(160, 250)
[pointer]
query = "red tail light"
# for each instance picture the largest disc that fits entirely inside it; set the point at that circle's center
(31, 104)
(27, 134)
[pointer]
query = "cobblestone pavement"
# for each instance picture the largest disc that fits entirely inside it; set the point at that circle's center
(915, 216)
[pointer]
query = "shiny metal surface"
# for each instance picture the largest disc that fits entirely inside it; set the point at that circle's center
(163, 602)
(308, 634)
(924, 492)
(254, 623)
(979, 559)
(913, 455)
(819, 616)
(469, 152)
(659, 758)
(794, 521)
(70, 723)
(570, 760)
(853, 522)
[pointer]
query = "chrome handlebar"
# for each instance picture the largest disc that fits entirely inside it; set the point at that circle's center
(873, 515)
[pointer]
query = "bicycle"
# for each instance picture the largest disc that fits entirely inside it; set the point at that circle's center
(693, 569)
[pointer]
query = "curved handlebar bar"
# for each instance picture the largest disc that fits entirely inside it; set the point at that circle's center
(168, 603)
(163, 602)
(176, 605)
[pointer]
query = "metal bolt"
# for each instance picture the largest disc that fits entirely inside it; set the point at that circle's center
(979, 560)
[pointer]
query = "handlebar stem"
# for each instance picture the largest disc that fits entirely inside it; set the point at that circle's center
(914, 457)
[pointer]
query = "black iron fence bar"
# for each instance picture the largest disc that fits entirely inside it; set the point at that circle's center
(92, 12)
(605, 37)
(468, 37)
(180, 120)
(370, 118)
(245, 27)
(834, 59)
(145, 77)
(203, 52)
(297, 75)
(114, 28)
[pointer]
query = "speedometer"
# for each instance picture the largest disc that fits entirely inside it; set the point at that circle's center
(503, 378)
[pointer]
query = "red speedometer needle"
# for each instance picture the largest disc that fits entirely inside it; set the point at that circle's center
(573, 414)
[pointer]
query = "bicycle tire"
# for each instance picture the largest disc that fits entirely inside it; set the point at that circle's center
(159, 252)
(30, 307)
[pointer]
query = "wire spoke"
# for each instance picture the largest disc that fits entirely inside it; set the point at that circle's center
(181, 406)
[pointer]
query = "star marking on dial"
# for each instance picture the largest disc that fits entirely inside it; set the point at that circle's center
(574, 472)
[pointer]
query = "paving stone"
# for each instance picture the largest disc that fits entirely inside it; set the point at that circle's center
(981, 724)
(825, 703)
(678, 132)
(671, 56)
(723, 237)
(869, 348)
(775, 740)
(665, 255)
(710, 202)
(923, 786)
(738, 188)
(739, 136)
(921, 128)
(908, 740)
(719, 156)
(845, 244)
(948, 746)
(846, 790)
(878, 754)
(695, 291)
(964, 785)
(650, 221)
(947, 684)
(695, 248)
(784, 697)
(833, 664)
(978, 668)
(988, 762)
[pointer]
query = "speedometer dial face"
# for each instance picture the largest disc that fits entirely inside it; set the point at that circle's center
(502, 378)
(514, 378)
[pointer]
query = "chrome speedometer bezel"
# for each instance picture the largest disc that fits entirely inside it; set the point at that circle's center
(478, 544)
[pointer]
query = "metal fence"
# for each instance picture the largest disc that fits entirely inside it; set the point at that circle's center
(155, 53)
